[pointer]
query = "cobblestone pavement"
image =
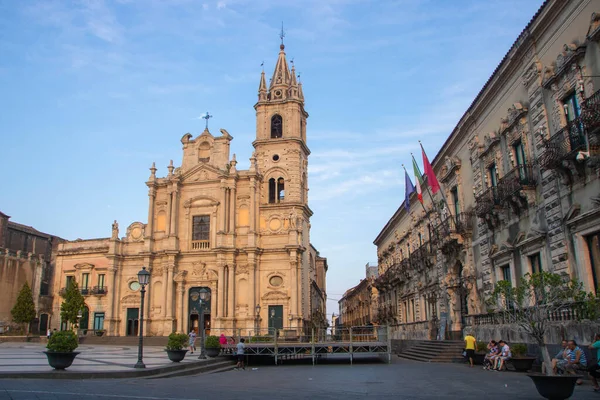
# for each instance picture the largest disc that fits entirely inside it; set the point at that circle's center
(400, 380)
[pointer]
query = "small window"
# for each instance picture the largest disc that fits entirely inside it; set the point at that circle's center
(571, 107)
(85, 280)
(280, 189)
(272, 187)
(519, 152)
(535, 262)
(101, 280)
(506, 273)
(98, 321)
(493, 175)
(593, 243)
(275, 157)
(70, 280)
(455, 201)
(276, 126)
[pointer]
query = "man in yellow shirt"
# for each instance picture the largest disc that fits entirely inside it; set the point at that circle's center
(470, 347)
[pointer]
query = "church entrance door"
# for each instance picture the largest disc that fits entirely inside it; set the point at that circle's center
(275, 319)
(132, 321)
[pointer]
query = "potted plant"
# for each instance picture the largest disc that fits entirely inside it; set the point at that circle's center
(480, 352)
(99, 332)
(212, 346)
(527, 309)
(519, 359)
(176, 346)
(60, 349)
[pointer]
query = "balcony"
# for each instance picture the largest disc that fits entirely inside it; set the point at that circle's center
(590, 113)
(86, 291)
(514, 187)
(421, 257)
(487, 201)
(200, 244)
(99, 290)
(461, 224)
(564, 145)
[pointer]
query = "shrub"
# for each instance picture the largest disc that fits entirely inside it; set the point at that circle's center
(261, 339)
(481, 347)
(518, 349)
(62, 342)
(177, 341)
(212, 342)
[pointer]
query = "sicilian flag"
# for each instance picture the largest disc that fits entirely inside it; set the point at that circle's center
(409, 189)
(428, 169)
(418, 180)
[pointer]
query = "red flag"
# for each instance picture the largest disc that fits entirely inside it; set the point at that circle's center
(428, 171)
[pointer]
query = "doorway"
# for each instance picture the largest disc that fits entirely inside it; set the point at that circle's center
(275, 318)
(132, 321)
(43, 323)
(84, 321)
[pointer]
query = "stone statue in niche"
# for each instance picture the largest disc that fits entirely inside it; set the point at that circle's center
(115, 230)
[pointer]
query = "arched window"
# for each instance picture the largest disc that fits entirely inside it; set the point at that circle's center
(272, 190)
(276, 126)
(276, 190)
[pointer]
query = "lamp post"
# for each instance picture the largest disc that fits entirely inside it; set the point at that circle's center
(204, 297)
(257, 328)
(143, 280)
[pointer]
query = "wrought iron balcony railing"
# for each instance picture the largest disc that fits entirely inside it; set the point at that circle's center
(519, 178)
(99, 290)
(564, 145)
(85, 291)
(590, 113)
(462, 223)
(486, 201)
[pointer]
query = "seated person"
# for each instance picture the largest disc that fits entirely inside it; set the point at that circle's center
(595, 371)
(504, 355)
(577, 362)
(561, 358)
(490, 357)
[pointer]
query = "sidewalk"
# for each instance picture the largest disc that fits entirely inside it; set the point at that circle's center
(93, 361)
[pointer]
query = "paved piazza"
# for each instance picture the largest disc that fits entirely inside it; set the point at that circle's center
(402, 379)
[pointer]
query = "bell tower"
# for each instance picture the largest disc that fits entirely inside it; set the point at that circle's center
(281, 151)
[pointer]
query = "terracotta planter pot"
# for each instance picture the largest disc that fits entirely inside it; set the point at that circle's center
(212, 352)
(555, 387)
(60, 360)
(176, 355)
(522, 364)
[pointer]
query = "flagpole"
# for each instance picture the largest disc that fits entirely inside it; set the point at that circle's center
(427, 186)
(441, 189)
(422, 205)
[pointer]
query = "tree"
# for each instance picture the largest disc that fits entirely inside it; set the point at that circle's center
(72, 305)
(539, 297)
(24, 309)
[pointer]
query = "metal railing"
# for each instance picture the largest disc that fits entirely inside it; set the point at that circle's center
(99, 290)
(564, 144)
(486, 201)
(590, 112)
(200, 244)
(462, 223)
(569, 312)
(518, 178)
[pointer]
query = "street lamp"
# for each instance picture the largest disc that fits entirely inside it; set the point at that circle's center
(143, 280)
(257, 319)
(204, 297)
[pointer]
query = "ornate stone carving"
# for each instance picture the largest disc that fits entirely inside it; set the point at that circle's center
(135, 232)
(275, 295)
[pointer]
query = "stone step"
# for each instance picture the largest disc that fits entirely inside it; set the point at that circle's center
(195, 369)
(434, 351)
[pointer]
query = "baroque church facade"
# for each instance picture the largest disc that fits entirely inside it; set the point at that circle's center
(243, 236)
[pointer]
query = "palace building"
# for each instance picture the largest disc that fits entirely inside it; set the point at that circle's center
(520, 175)
(243, 236)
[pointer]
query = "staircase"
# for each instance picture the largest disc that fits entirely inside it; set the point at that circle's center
(446, 351)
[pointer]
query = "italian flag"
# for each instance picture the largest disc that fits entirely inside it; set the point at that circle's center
(418, 181)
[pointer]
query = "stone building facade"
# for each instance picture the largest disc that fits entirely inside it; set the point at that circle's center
(358, 306)
(243, 235)
(26, 255)
(520, 175)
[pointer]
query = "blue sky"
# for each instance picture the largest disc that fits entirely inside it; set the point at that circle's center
(92, 92)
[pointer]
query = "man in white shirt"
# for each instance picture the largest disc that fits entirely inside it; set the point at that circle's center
(240, 354)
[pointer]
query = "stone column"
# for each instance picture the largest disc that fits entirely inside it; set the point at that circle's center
(174, 211)
(223, 215)
(150, 225)
(232, 192)
(252, 210)
(221, 292)
(231, 291)
(168, 222)
(164, 291)
(294, 279)
(170, 269)
(37, 279)
(181, 291)
(252, 286)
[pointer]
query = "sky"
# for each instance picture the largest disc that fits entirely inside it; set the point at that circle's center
(92, 92)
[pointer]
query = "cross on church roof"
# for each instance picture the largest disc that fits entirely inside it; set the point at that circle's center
(206, 117)
(282, 33)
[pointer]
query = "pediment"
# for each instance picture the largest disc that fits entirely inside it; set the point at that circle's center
(202, 172)
(275, 295)
(200, 201)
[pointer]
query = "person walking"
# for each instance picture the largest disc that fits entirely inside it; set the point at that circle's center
(48, 333)
(470, 348)
(241, 347)
(192, 342)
